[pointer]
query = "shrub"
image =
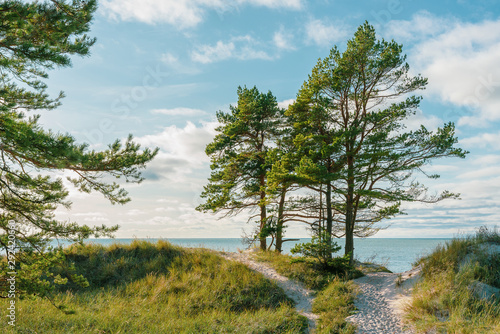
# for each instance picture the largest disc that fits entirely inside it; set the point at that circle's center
(319, 252)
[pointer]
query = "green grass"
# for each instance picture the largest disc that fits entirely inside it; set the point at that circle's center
(334, 300)
(334, 304)
(303, 272)
(442, 300)
(370, 267)
(159, 288)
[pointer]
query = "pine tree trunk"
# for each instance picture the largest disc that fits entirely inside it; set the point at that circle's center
(262, 239)
(349, 217)
(329, 218)
(279, 224)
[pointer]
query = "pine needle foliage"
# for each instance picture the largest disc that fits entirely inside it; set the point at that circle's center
(36, 37)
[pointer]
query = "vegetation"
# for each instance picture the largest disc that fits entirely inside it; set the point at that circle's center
(343, 138)
(444, 300)
(159, 288)
(238, 156)
(36, 37)
(334, 300)
(301, 271)
(334, 304)
(349, 129)
(319, 252)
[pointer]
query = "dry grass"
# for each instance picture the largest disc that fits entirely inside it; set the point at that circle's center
(159, 288)
(334, 300)
(442, 301)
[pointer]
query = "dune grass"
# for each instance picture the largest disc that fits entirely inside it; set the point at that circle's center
(443, 302)
(334, 300)
(159, 288)
(334, 304)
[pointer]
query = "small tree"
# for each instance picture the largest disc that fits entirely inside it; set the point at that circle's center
(36, 37)
(238, 154)
(360, 140)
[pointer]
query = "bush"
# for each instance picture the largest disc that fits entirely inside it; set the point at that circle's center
(319, 252)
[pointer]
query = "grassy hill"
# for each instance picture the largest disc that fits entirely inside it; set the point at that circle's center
(447, 300)
(158, 288)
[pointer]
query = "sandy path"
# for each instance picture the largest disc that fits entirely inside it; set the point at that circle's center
(302, 296)
(380, 302)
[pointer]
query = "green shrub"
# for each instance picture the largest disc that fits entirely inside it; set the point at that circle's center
(319, 253)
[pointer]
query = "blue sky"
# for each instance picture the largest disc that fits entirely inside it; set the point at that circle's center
(161, 69)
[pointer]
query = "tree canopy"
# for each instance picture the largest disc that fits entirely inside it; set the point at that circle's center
(238, 154)
(344, 139)
(350, 120)
(36, 37)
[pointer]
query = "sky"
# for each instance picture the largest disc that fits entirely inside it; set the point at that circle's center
(161, 69)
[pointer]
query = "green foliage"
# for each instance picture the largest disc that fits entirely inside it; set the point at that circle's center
(238, 154)
(161, 288)
(319, 251)
(351, 137)
(37, 37)
(117, 264)
(443, 300)
(306, 272)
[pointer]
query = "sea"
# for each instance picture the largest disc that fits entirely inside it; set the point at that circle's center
(397, 254)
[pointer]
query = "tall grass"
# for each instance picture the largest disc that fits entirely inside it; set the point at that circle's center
(334, 304)
(334, 300)
(159, 288)
(443, 300)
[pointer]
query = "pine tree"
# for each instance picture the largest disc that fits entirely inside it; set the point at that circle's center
(238, 154)
(37, 37)
(349, 117)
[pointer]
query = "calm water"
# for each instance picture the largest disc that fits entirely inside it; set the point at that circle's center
(396, 254)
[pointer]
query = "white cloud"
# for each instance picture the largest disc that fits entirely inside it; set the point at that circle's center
(283, 40)
(90, 214)
(285, 103)
(241, 47)
(422, 25)
(486, 172)
(181, 150)
(135, 212)
(176, 65)
(323, 33)
(209, 54)
(179, 112)
(289, 4)
(484, 140)
(462, 65)
(182, 13)
(431, 122)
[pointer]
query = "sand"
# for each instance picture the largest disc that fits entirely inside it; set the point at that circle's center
(302, 296)
(380, 301)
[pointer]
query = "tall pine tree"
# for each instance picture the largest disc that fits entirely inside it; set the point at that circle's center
(238, 154)
(349, 117)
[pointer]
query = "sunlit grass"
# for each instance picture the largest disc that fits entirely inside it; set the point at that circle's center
(443, 301)
(159, 288)
(334, 300)
(334, 304)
